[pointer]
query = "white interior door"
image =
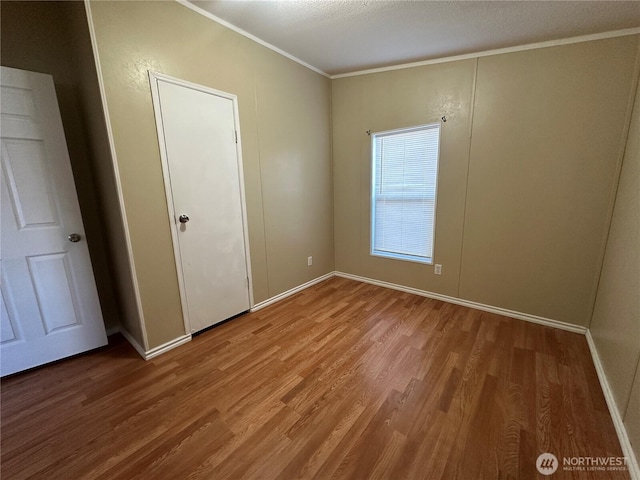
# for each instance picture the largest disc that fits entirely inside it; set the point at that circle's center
(203, 175)
(49, 304)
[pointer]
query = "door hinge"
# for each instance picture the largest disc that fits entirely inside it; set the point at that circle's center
(247, 282)
(236, 132)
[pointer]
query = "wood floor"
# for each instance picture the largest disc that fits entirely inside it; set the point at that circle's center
(343, 380)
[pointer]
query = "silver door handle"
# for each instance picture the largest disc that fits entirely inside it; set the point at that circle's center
(183, 218)
(74, 237)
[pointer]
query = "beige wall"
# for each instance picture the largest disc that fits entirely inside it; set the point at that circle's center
(386, 101)
(547, 135)
(284, 122)
(49, 37)
(500, 241)
(616, 318)
(632, 416)
(523, 211)
(104, 175)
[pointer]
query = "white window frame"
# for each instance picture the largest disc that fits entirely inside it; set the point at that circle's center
(395, 255)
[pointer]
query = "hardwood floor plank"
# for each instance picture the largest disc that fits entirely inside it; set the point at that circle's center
(384, 467)
(317, 433)
(343, 380)
(249, 451)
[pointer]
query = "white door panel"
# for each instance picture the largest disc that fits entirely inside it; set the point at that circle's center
(26, 176)
(7, 329)
(198, 134)
(50, 307)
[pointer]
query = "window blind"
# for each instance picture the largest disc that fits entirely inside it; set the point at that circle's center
(405, 170)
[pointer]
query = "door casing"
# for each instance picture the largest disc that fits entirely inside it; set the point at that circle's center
(154, 78)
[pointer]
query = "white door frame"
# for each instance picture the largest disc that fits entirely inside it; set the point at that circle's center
(154, 78)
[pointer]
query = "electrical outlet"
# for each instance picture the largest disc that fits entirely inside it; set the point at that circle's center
(309, 261)
(438, 269)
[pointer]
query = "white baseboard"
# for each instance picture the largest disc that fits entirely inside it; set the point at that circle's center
(288, 293)
(621, 431)
(176, 342)
(133, 343)
(165, 347)
(154, 352)
(467, 303)
(437, 296)
(627, 450)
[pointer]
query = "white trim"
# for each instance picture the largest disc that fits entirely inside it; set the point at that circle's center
(154, 352)
(372, 201)
(154, 78)
(466, 56)
(244, 33)
(138, 348)
(155, 98)
(243, 198)
(116, 173)
(627, 450)
(165, 347)
(499, 51)
(467, 303)
(288, 293)
(621, 431)
(548, 322)
(618, 423)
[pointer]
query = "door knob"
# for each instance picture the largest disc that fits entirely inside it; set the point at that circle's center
(183, 218)
(74, 237)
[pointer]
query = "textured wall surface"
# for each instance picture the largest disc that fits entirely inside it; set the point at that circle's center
(615, 326)
(523, 206)
(548, 132)
(53, 38)
(285, 127)
(386, 101)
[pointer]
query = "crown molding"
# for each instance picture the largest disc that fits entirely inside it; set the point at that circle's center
(499, 51)
(401, 66)
(244, 33)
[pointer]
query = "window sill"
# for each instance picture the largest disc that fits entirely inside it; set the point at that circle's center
(404, 258)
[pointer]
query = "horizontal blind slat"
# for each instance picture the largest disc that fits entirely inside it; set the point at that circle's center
(405, 172)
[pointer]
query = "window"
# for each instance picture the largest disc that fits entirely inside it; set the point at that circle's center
(403, 200)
